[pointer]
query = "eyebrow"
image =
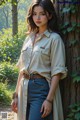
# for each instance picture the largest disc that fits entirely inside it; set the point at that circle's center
(40, 12)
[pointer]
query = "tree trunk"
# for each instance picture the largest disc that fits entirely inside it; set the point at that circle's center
(70, 91)
(14, 18)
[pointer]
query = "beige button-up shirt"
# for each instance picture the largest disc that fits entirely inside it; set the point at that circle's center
(47, 58)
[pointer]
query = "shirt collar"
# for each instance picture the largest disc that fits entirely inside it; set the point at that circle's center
(47, 33)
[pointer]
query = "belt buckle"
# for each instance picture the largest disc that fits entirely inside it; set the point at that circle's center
(28, 76)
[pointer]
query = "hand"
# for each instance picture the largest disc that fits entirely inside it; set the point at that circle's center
(14, 105)
(46, 108)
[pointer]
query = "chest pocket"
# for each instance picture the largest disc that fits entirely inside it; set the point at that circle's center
(42, 50)
(42, 53)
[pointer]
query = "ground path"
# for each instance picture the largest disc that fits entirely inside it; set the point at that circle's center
(6, 114)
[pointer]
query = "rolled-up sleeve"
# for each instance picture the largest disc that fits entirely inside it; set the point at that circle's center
(58, 57)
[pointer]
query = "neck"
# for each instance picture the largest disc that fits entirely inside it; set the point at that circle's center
(41, 30)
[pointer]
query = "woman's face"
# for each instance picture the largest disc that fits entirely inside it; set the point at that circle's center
(40, 18)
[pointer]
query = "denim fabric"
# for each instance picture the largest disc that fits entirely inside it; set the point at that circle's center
(37, 93)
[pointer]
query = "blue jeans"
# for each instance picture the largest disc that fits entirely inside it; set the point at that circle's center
(37, 92)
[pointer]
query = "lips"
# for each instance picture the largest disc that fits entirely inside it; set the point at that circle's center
(38, 22)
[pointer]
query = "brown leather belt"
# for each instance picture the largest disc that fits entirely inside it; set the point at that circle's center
(32, 76)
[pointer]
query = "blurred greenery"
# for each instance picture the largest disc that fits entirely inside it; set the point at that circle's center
(9, 46)
(6, 12)
(9, 54)
(8, 72)
(5, 94)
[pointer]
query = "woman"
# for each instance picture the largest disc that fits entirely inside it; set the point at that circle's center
(42, 65)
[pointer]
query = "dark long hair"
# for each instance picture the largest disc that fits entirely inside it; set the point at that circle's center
(47, 5)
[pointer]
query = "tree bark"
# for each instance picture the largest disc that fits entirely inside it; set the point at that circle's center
(70, 91)
(14, 18)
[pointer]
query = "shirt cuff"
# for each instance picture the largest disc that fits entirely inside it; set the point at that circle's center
(60, 69)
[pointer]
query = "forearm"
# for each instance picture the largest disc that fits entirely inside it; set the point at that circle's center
(53, 86)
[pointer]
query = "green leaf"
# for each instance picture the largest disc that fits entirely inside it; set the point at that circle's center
(74, 74)
(69, 29)
(68, 119)
(72, 42)
(72, 106)
(78, 109)
(73, 9)
(64, 32)
(66, 24)
(77, 58)
(9, 0)
(74, 24)
(66, 10)
(76, 79)
(77, 116)
(74, 110)
(71, 115)
(78, 24)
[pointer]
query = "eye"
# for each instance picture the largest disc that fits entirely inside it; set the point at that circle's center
(43, 13)
(34, 13)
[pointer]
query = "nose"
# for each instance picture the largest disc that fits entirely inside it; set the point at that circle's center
(38, 17)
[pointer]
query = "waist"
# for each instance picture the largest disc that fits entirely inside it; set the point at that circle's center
(32, 76)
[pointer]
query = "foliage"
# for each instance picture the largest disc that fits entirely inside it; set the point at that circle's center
(76, 76)
(22, 9)
(10, 47)
(5, 1)
(5, 95)
(72, 26)
(5, 16)
(74, 112)
(72, 8)
(8, 72)
(2, 1)
(6, 12)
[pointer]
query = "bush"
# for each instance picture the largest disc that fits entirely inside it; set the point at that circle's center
(8, 72)
(74, 112)
(5, 96)
(10, 47)
(9, 53)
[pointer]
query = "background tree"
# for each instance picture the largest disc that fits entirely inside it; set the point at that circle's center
(14, 17)
(12, 12)
(69, 11)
